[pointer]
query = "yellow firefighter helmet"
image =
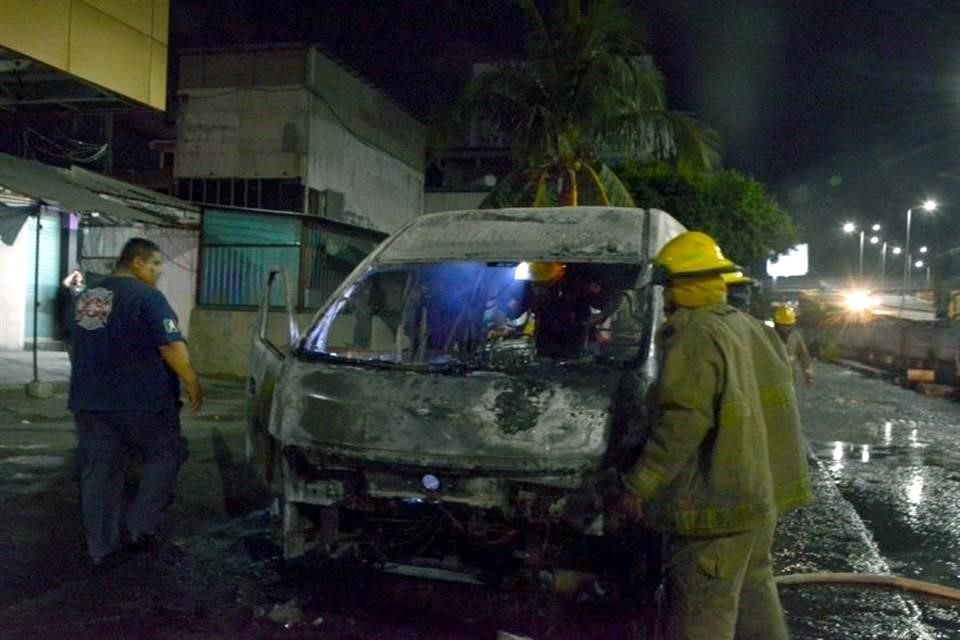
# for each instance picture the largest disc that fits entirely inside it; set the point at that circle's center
(692, 253)
(785, 315)
(546, 272)
(735, 277)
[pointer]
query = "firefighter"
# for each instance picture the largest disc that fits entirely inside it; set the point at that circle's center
(561, 304)
(739, 290)
(784, 322)
(710, 476)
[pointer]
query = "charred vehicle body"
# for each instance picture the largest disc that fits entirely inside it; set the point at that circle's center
(462, 404)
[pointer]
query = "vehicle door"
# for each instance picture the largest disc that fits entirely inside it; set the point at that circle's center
(275, 333)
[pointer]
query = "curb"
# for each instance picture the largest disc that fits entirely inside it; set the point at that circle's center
(866, 370)
(14, 390)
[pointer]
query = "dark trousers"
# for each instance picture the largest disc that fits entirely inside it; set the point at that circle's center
(104, 444)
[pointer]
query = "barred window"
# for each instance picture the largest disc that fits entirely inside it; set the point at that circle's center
(239, 248)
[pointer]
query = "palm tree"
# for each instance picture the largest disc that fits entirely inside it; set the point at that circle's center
(584, 89)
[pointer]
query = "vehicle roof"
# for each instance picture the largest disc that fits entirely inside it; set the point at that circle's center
(571, 234)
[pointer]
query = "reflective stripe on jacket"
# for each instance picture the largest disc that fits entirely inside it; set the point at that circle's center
(709, 467)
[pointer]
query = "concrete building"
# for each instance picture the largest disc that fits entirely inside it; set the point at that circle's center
(298, 162)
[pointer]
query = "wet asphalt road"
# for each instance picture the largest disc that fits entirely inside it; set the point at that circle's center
(887, 478)
(888, 492)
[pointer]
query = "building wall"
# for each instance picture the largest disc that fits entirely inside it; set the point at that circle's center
(379, 191)
(101, 247)
(364, 146)
(74, 36)
(221, 338)
(242, 132)
(452, 200)
(16, 268)
(291, 112)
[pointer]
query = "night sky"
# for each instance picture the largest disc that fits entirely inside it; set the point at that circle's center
(845, 110)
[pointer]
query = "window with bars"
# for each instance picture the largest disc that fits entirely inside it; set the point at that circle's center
(239, 247)
(282, 194)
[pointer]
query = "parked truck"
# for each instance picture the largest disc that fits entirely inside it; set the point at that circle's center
(462, 405)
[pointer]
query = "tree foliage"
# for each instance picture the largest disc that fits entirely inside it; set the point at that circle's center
(585, 89)
(748, 224)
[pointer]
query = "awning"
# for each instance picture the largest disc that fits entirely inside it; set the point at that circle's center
(12, 220)
(99, 199)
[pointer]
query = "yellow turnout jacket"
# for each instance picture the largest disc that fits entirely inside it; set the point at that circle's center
(727, 450)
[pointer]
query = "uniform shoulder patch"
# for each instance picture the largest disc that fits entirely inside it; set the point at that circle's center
(93, 308)
(170, 325)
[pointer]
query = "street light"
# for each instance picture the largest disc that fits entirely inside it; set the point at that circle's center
(850, 227)
(883, 262)
(919, 264)
(929, 205)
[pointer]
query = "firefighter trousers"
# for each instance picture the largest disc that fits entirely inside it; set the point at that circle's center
(722, 587)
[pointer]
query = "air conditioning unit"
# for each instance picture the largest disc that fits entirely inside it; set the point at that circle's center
(326, 203)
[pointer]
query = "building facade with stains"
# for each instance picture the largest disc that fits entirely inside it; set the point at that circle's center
(298, 162)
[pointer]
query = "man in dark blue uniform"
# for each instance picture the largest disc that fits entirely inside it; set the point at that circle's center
(129, 358)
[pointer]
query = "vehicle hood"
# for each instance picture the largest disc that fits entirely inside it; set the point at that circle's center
(555, 420)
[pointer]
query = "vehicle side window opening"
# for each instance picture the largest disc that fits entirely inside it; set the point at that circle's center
(483, 315)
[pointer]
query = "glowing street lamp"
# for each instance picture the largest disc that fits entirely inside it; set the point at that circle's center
(883, 262)
(920, 264)
(884, 245)
(928, 206)
(850, 227)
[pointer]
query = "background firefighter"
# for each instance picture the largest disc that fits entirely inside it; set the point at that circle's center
(739, 290)
(784, 321)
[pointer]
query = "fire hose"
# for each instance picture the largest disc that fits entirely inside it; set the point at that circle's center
(873, 579)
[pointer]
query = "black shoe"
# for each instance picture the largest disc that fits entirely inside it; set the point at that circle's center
(106, 563)
(144, 542)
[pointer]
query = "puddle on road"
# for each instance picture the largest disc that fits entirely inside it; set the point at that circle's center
(888, 483)
(829, 535)
(49, 462)
(28, 475)
(24, 447)
(22, 488)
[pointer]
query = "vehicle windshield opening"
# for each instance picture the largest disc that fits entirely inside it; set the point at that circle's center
(484, 315)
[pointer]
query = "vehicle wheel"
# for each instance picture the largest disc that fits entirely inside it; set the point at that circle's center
(271, 466)
(261, 452)
(294, 538)
(293, 520)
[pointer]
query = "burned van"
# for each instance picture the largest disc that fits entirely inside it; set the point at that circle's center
(462, 404)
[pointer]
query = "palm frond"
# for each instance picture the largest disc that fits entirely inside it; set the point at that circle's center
(594, 182)
(584, 91)
(517, 189)
(697, 146)
(541, 196)
(618, 195)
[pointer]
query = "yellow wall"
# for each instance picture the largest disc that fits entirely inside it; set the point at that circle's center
(120, 45)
